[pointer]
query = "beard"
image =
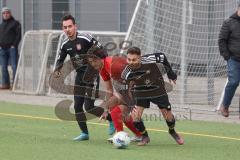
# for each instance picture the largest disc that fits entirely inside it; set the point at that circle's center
(135, 66)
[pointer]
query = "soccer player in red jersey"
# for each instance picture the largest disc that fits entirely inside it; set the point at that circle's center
(110, 69)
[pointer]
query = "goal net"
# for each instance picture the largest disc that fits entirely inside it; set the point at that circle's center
(187, 32)
(36, 59)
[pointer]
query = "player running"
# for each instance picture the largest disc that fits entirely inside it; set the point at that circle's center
(145, 75)
(76, 45)
(110, 69)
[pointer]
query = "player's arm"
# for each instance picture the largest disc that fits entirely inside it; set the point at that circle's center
(172, 76)
(110, 99)
(161, 58)
(109, 88)
(61, 57)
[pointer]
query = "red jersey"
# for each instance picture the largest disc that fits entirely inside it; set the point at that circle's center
(113, 67)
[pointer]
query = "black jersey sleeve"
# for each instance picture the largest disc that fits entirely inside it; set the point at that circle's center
(170, 73)
(61, 57)
(161, 58)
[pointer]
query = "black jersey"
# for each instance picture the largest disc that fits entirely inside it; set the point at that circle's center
(160, 58)
(157, 58)
(76, 49)
(147, 80)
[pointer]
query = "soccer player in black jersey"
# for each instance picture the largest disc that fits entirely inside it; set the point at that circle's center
(144, 74)
(76, 45)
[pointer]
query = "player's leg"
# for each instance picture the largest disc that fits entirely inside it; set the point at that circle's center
(97, 111)
(113, 104)
(116, 114)
(170, 120)
(136, 114)
(126, 101)
(81, 118)
(78, 107)
(119, 115)
(165, 107)
(128, 121)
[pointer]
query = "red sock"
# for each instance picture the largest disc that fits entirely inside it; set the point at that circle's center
(129, 123)
(116, 115)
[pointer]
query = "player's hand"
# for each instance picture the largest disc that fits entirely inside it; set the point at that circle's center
(57, 74)
(104, 116)
(172, 81)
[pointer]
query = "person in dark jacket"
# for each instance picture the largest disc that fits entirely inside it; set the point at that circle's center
(229, 46)
(10, 36)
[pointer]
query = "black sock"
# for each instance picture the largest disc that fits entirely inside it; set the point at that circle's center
(79, 113)
(140, 127)
(82, 122)
(109, 118)
(83, 127)
(171, 124)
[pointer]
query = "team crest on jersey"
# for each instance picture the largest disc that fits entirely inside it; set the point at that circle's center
(147, 81)
(78, 46)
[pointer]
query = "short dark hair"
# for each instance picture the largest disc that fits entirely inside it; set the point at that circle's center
(68, 17)
(101, 53)
(134, 50)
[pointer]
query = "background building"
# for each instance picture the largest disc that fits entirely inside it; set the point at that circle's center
(100, 15)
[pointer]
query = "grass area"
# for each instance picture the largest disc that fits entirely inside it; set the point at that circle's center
(32, 138)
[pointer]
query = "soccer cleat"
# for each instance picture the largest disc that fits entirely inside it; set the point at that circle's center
(176, 136)
(145, 140)
(82, 137)
(110, 140)
(136, 139)
(111, 129)
(224, 111)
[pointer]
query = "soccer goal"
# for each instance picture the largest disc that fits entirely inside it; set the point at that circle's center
(187, 32)
(38, 56)
(36, 59)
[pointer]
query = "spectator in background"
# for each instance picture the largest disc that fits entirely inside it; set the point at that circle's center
(229, 46)
(10, 36)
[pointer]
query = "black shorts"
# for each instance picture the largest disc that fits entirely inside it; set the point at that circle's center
(126, 98)
(162, 102)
